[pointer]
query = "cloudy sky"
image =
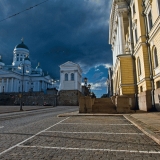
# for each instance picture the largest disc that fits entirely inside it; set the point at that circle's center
(58, 31)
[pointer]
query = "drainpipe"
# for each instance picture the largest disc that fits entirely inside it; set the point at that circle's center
(133, 58)
(149, 55)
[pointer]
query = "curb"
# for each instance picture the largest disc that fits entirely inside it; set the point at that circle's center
(74, 114)
(147, 130)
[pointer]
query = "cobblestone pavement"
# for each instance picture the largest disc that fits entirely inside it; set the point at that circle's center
(85, 138)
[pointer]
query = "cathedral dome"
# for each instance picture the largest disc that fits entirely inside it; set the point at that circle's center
(21, 45)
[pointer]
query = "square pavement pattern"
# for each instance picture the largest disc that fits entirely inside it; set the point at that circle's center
(86, 138)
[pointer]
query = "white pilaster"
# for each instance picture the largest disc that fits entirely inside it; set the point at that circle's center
(121, 33)
(7, 85)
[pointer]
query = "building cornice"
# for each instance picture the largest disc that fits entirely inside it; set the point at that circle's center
(154, 29)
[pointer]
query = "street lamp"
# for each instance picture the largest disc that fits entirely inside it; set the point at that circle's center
(85, 81)
(21, 66)
(89, 89)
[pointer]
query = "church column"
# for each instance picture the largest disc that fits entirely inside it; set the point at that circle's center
(121, 32)
(26, 87)
(12, 85)
(42, 85)
(38, 86)
(2, 84)
(16, 85)
(7, 85)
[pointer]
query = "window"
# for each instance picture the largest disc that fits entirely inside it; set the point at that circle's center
(72, 76)
(158, 84)
(134, 10)
(66, 77)
(20, 59)
(17, 58)
(136, 35)
(150, 24)
(155, 57)
(158, 1)
(139, 66)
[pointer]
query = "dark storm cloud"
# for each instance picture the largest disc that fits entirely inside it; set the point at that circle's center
(57, 31)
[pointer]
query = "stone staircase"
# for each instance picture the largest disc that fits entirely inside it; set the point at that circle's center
(103, 105)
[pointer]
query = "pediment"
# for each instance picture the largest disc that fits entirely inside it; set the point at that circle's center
(69, 64)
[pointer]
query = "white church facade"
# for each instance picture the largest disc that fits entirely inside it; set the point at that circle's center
(70, 76)
(20, 76)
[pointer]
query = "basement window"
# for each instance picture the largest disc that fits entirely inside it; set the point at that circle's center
(141, 89)
(158, 84)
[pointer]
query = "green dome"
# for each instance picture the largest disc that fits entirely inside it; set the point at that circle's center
(22, 45)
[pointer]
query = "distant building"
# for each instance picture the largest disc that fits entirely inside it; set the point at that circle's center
(70, 76)
(70, 83)
(20, 76)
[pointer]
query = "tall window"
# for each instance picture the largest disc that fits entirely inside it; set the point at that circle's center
(72, 76)
(134, 10)
(139, 66)
(150, 23)
(158, 1)
(136, 35)
(66, 77)
(155, 57)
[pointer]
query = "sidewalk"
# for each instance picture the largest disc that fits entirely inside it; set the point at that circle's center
(148, 123)
(9, 109)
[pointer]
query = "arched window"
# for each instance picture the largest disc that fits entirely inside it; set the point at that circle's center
(72, 76)
(66, 77)
(139, 66)
(155, 57)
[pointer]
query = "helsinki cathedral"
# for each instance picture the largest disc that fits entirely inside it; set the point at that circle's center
(20, 76)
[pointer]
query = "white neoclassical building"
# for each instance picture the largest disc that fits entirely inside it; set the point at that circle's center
(70, 76)
(20, 76)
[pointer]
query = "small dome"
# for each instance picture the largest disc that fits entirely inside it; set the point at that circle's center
(27, 58)
(1, 60)
(38, 68)
(21, 45)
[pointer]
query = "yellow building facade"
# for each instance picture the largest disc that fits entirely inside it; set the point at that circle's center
(134, 35)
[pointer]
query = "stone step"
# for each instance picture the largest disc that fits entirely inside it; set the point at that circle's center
(104, 111)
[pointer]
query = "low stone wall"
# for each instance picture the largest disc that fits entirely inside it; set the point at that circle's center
(85, 104)
(38, 98)
(144, 101)
(157, 99)
(68, 97)
(122, 104)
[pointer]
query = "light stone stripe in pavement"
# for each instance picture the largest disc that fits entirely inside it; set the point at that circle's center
(31, 137)
(92, 149)
(98, 124)
(1, 126)
(95, 132)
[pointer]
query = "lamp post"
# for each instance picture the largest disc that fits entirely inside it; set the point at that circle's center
(89, 89)
(21, 94)
(85, 81)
